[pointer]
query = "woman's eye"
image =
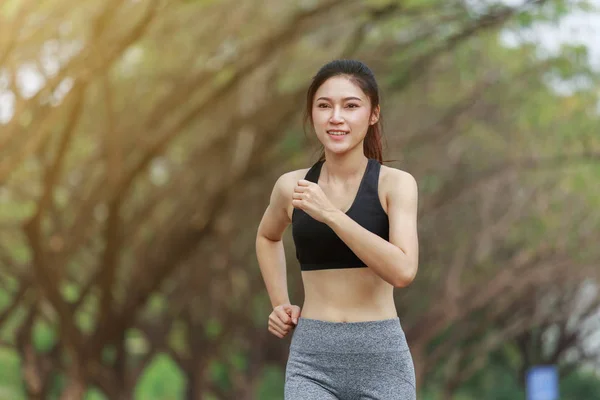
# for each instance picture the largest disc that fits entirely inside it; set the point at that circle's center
(352, 105)
(322, 105)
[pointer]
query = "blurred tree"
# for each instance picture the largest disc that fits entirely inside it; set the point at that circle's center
(144, 140)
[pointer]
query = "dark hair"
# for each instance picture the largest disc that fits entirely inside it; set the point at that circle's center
(364, 78)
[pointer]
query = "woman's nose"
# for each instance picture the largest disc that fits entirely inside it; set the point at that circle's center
(336, 116)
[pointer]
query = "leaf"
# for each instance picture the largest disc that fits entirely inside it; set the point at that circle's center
(525, 19)
(162, 379)
(213, 328)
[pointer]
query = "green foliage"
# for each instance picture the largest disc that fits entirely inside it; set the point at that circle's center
(213, 328)
(201, 2)
(94, 394)
(418, 3)
(497, 381)
(219, 374)
(109, 354)
(223, 76)
(292, 142)
(136, 342)
(9, 327)
(238, 360)
(272, 382)
(162, 380)
(430, 184)
(525, 19)
(70, 291)
(44, 336)
(177, 337)
(580, 385)
(157, 304)
(85, 314)
(10, 378)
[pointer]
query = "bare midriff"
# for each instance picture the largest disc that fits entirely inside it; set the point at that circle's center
(347, 295)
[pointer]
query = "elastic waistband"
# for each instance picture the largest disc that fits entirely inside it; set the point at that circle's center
(312, 335)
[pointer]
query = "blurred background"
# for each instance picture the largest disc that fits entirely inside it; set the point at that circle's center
(140, 141)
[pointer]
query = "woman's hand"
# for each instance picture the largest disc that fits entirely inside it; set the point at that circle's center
(283, 319)
(309, 197)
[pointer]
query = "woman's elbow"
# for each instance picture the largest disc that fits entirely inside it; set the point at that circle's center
(405, 277)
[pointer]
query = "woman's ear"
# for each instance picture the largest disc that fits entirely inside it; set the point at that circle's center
(374, 116)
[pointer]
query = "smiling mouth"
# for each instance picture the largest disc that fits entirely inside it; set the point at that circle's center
(337, 133)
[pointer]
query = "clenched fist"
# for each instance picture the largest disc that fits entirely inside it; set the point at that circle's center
(309, 197)
(283, 319)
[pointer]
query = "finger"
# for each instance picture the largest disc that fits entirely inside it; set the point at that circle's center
(301, 189)
(304, 182)
(283, 314)
(291, 311)
(285, 328)
(280, 320)
(276, 333)
(274, 328)
(298, 196)
(276, 325)
(297, 203)
(295, 314)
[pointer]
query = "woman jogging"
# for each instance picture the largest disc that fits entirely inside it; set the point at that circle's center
(354, 226)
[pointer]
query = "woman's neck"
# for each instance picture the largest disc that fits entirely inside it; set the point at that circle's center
(343, 167)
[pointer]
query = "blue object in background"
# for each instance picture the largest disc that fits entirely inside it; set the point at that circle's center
(542, 383)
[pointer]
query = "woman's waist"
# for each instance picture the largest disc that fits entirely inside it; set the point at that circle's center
(348, 309)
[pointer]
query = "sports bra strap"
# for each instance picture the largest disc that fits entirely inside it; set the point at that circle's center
(313, 173)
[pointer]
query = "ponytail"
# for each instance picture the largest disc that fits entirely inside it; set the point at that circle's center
(372, 145)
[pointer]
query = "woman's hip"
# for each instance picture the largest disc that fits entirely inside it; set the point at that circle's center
(318, 336)
(350, 356)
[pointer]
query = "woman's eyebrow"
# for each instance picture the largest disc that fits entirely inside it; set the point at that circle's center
(345, 98)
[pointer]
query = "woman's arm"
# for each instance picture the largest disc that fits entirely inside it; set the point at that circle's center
(395, 261)
(269, 244)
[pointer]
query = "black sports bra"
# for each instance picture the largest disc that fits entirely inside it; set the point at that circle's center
(318, 246)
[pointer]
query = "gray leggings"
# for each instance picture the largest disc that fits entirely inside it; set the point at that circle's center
(348, 361)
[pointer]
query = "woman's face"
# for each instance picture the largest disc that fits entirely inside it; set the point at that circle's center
(341, 114)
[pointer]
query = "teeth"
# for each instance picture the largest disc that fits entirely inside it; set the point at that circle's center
(337, 133)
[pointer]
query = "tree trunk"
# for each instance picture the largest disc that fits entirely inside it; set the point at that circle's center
(35, 382)
(76, 384)
(75, 389)
(195, 380)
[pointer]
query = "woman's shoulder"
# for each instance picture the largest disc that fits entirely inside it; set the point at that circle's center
(284, 189)
(296, 174)
(288, 180)
(394, 178)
